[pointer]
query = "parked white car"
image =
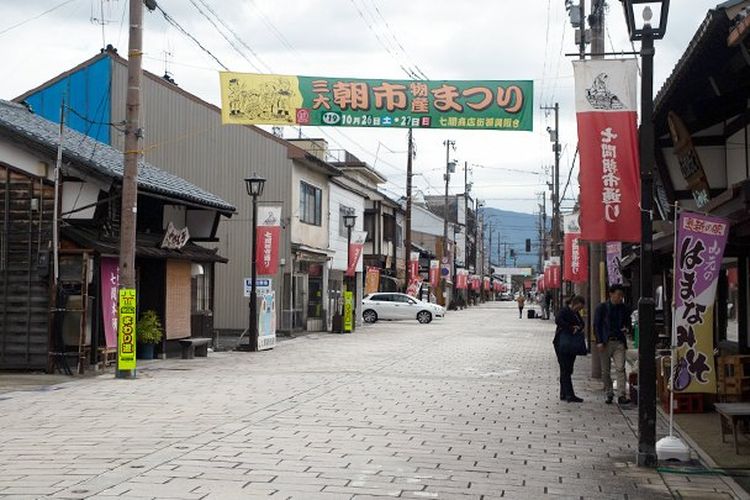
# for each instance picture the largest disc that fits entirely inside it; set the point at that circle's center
(392, 305)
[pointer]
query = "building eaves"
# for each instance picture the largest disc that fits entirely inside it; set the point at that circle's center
(713, 30)
(91, 156)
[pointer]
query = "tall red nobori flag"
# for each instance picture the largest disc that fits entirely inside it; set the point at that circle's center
(576, 254)
(355, 252)
(267, 238)
(608, 144)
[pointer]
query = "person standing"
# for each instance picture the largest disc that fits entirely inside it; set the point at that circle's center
(521, 300)
(611, 323)
(569, 342)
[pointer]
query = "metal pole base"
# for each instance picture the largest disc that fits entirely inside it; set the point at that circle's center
(244, 348)
(125, 374)
(647, 459)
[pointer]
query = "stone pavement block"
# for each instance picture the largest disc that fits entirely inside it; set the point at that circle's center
(397, 409)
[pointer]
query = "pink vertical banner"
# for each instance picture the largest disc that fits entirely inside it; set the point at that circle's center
(614, 256)
(699, 250)
(110, 281)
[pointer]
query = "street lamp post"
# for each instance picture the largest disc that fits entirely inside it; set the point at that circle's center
(646, 307)
(254, 187)
(349, 220)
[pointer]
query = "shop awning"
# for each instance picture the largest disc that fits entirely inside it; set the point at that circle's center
(147, 246)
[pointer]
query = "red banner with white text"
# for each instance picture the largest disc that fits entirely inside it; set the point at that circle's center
(434, 272)
(356, 246)
(462, 278)
(414, 267)
(608, 145)
(268, 239)
(576, 254)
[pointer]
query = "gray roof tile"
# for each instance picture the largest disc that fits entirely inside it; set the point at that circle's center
(101, 158)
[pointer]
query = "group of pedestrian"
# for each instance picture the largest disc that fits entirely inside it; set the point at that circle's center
(611, 324)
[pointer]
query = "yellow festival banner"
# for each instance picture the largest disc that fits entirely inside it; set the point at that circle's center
(261, 99)
(126, 330)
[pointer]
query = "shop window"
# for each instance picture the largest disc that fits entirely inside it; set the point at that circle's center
(389, 227)
(310, 204)
(203, 289)
(369, 224)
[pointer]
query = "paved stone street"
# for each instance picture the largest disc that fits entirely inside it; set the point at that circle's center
(465, 408)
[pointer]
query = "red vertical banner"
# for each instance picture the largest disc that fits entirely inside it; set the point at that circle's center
(554, 272)
(414, 266)
(461, 279)
(608, 144)
(356, 246)
(486, 283)
(576, 254)
(267, 239)
(434, 272)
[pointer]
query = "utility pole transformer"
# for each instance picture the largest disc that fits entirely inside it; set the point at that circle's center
(132, 155)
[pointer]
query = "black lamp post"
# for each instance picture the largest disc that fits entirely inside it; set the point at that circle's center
(646, 33)
(349, 220)
(254, 185)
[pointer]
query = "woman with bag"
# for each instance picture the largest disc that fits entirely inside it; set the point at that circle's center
(569, 342)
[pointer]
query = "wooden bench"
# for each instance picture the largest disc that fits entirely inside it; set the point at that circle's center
(732, 414)
(194, 347)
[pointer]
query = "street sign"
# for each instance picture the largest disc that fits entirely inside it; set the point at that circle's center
(513, 271)
(262, 285)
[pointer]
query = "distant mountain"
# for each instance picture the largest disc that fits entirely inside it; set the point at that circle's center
(510, 231)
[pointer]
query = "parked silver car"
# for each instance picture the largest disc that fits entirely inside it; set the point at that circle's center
(392, 305)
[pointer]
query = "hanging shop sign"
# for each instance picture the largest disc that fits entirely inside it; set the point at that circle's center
(699, 249)
(614, 257)
(175, 239)
(260, 99)
(126, 329)
(576, 253)
(356, 246)
(608, 144)
(690, 163)
(268, 238)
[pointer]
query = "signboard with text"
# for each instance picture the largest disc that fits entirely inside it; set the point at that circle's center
(262, 99)
(126, 329)
(699, 250)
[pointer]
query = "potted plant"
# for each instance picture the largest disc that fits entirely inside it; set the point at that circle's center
(149, 332)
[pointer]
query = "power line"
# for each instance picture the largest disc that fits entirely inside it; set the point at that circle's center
(416, 68)
(33, 18)
(233, 33)
(182, 30)
(369, 25)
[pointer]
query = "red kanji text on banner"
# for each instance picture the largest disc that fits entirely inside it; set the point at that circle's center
(608, 144)
(268, 238)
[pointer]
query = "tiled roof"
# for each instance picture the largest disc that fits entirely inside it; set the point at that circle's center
(86, 153)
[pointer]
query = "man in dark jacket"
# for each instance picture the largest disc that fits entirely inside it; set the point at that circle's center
(611, 322)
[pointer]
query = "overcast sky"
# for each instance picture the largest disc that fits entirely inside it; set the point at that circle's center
(478, 39)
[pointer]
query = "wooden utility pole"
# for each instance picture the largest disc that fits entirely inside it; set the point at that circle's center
(133, 152)
(407, 239)
(596, 250)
